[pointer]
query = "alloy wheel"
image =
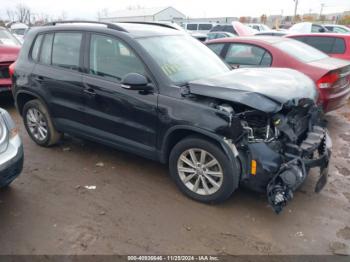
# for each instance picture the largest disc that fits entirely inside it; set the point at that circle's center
(37, 124)
(200, 171)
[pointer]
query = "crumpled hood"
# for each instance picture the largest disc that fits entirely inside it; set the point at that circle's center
(265, 89)
(8, 53)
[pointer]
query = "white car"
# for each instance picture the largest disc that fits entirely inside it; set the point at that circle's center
(259, 27)
(306, 28)
(338, 28)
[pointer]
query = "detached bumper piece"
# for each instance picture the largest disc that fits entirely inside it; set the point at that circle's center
(314, 151)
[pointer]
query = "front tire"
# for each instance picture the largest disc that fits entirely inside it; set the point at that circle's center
(39, 125)
(201, 170)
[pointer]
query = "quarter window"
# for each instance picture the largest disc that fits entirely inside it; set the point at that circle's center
(242, 54)
(66, 50)
(339, 46)
(36, 48)
(110, 58)
(45, 55)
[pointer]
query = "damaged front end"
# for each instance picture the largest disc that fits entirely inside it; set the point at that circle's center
(275, 126)
(277, 150)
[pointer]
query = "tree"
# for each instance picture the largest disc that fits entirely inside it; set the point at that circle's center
(345, 20)
(10, 14)
(263, 19)
(23, 14)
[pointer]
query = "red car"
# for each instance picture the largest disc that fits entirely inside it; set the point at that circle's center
(331, 75)
(333, 44)
(9, 49)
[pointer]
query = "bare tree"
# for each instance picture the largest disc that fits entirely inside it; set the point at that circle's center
(23, 14)
(10, 14)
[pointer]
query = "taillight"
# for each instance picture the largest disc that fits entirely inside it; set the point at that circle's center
(328, 80)
(12, 69)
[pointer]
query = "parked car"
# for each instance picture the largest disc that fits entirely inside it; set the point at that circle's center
(159, 93)
(203, 28)
(335, 45)
(271, 33)
(259, 27)
(236, 28)
(216, 35)
(19, 30)
(7, 38)
(11, 150)
(9, 49)
(331, 75)
(306, 28)
(342, 29)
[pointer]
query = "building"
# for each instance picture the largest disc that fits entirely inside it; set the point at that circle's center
(145, 15)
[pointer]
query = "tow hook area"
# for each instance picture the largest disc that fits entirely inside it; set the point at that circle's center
(292, 174)
(281, 187)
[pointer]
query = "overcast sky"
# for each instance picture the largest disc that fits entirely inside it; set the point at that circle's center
(193, 8)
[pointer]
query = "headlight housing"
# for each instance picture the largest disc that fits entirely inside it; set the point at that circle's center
(8, 130)
(3, 135)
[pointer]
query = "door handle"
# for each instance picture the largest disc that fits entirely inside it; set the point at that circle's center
(90, 91)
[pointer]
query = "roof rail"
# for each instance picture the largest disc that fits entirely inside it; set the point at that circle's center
(151, 23)
(109, 25)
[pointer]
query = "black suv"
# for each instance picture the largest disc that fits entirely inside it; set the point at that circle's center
(157, 92)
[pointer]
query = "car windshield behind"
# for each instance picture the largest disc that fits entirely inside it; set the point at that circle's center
(300, 51)
(183, 58)
(7, 39)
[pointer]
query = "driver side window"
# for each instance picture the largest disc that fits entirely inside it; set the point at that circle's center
(112, 59)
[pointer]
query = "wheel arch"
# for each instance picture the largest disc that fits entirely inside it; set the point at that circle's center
(177, 133)
(24, 97)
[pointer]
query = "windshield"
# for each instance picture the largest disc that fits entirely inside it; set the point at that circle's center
(301, 51)
(6, 38)
(183, 58)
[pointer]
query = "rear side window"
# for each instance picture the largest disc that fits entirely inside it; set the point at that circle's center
(66, 50)
(36, 48)
(243, 54)
(325, 44)
(192, 26)
(45, 55)
(216, 48)
(329, 45)
(204, 26)
(300, 51)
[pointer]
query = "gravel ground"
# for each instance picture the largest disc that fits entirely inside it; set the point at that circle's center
(84, 198)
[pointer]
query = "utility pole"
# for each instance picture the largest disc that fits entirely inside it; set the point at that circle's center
(295, 8)
(322, 6)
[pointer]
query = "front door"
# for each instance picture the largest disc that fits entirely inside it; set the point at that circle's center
(125, 118)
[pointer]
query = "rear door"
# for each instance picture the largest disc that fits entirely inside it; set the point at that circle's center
(125, 118)
(58, 75)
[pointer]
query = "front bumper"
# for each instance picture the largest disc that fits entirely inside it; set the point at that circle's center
(293, 173)
(11, 161)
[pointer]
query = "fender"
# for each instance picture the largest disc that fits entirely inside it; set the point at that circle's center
(232, 156)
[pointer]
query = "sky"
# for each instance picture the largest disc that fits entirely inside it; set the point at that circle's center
(88, 9)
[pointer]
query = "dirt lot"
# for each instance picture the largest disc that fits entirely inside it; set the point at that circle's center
(136, 208)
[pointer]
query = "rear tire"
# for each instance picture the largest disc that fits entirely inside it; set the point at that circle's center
(201, 170)
(39, 125)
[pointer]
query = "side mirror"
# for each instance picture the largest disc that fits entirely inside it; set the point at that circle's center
(135, 81)
(322, 30)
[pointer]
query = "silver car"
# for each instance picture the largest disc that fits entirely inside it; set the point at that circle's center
(11, 150)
